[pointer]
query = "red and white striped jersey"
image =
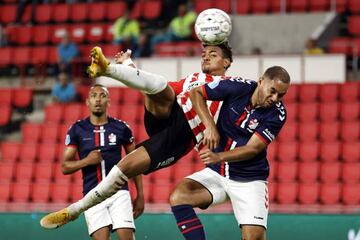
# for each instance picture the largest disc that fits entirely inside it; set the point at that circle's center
(182, 89)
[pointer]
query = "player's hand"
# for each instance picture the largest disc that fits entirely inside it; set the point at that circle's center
(209, 157)
(211, 137)
(138, 206)
(94, 157)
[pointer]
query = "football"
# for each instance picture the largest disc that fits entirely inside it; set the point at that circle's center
(213, 26)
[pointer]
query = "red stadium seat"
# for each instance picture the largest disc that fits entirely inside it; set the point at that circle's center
(6, 56)
(9, 151)
(298, 5)
(5, 191)
(49, 132)
(161, 192)
(164, 175)
(5, 116)
(330, 151)
(292, 95)
(276, 6)
(23, 97)
(308, 112)
(308, 172)
(47, 152)
(114, 111)
(287, 151)
(96, 34)
(309, 151)
(28, 152)
(31, 132)
(349, 111)
(309, 193)
(182, 170)
(54, 113)
(24, 171)
(330, 172)
(61, 12)
(308, 93)
(329, 131)
(286, 193)
(354, 25)
(21, 35)
(76, 192)
(319, 5)
(78, 33)
(7, 171)
(152, 9)
(98, 11)
(354, 6)
(130, 96)
(350, 194)
(53, 55)
(341, 6)
(72, 112)
(114, 10)
(329, 112)
(350, 152)
(40, 192)
(224, 5)
(43, 13)
(6, 96)
(21, 191)
(41, 34)
(260, 6)
(350, 172)
(201, 5)
(287, 171)
(356, 46)
(350, 131)
(8, 13)
(137, 10)
(60, 192)
(289, 132)
(349, 92)
(272, 187)
(43, 171)
(79, 12)
(308, 132)
(57, 32)
(141, 134)
(329, 92)
(242, 7)
(330, 193)
(340, 45)
(271, 151)
(22, 56)
(115, 94)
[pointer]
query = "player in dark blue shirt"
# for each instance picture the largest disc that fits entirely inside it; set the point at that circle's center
(98, 140)
(251, 117)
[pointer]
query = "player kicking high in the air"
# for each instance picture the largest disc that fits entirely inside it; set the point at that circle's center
(171, 122)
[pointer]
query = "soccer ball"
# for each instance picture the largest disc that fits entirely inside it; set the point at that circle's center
(213, 26)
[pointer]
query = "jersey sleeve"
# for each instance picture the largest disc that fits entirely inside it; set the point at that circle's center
(221, 90)
(177, 86)
(127, 135)
(71, 138)
(271, 126)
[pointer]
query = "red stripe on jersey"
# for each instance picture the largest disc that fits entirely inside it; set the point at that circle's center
(97, 144)
(262, 138)
(208, 78)
(214, 107)
(241, 118)
(177, 86)
(227, 147)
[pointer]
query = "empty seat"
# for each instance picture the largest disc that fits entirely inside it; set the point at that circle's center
(7, 171)
(350, 131)
(22, 56)
(329, 131)
(31, 132)
(40, 192)
(152, 9)
(330, 172)
(350, 152)
(9, 151)
(8, 13)
(330, 151)
(350, 172)
(271, 151)
(130, 96)
(242, 7)
(6, 96)
(161, 193)
(60, 192)
(260, 6)
(292, 95)
(164, 175)
(72, 112)
(349, 92)
(309, 151)
(287, 171)
(6, 56)
(47, 152)
(182, 170)
(308, 132)
(328, 92)
(354, 6)
(272, 187)
(349, 111)
(41, 34)
(43, 13)
(114, 111)
(129, 114)
(5, 191)
(79, 12)
(330, 193)
(43, 171)
(289, 132)
(97, 10)
(350, 194)
(319, 5)
(23, 97)
(298, 5)
(340, 45)
(115, 10)
(5, 117)
(21, 191)
(286, 193)
(224, 5)
(20, 35)
(308, 112)
(28, 151)
(115, 94)
(329, 112)
(308, 193)
(201, 5)
(61, 13)
(50, 132)
(308, 93)
(354, 25)
(308, 172)
(287, 151)
(54, 113)
(24, 171)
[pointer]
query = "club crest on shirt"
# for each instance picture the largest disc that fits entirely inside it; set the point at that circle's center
(253, 124)
(112, 139)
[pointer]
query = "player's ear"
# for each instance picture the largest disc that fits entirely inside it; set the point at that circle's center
(226, 63)
(261, 80)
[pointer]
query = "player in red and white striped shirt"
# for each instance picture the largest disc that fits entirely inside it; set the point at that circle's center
(170, 121)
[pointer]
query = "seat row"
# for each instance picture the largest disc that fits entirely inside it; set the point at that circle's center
(345, 45)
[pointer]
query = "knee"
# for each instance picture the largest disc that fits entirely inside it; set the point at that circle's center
(253, 235)
(178, 197)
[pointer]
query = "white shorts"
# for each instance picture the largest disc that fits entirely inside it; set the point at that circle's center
(249, 199)
(116, 212)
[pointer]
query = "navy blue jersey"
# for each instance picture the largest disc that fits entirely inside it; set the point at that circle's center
(237, 122)
(109, 138)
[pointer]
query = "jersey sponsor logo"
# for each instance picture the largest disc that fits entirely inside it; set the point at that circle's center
(253, 124)
(193, 85)
(112, 139)
(99, 130)
(281, 109)
(67, 139)
(256, 217)
(166, 162)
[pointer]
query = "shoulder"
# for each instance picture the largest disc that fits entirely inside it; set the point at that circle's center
(118, 123)
(278, 112)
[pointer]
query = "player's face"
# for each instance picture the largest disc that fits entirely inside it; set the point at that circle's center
(271, 91)
(98, 101)
(213, 62)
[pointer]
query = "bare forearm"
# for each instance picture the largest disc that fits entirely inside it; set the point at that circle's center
(238, 154)
(69, 167)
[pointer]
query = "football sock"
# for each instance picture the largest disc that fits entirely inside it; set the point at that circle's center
(106, 188)
(188, 223)
(135, 78)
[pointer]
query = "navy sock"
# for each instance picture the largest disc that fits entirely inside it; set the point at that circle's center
(188, 223)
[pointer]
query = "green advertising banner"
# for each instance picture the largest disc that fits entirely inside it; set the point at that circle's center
(20, 226)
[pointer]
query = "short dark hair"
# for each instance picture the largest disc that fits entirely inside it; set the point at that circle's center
(226, 50)
(100, 85)
(278, 73)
